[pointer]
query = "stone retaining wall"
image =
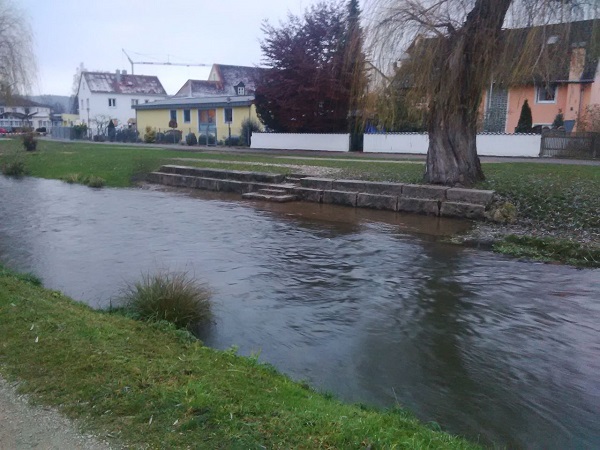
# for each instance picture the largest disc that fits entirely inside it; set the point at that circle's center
(414, 198)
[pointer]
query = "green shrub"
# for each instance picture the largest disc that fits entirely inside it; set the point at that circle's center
(13, 164)
(202, 140)
(191, 139)
(95, 182)
(248, 127)
(29, 142)
(174, 297)
(13, 168)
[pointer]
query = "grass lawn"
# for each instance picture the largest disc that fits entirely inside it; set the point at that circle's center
(152, 386)
(553, 201)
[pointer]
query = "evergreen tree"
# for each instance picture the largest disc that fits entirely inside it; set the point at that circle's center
(525, 119)
(559, 120)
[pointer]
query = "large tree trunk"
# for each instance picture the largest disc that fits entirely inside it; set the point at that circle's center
(464, 62)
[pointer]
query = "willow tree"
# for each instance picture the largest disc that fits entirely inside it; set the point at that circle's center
(17, 64)
(451, 48)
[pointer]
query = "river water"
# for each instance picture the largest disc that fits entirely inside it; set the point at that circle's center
(367, 305)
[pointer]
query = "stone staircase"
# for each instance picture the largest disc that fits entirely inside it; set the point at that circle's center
(421, 199)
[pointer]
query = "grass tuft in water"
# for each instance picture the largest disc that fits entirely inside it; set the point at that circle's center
(174, 297)
(87, 180)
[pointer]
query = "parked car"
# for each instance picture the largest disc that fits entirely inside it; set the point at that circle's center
(3, 132)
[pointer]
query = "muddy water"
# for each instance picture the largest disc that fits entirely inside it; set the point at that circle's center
(367, 305)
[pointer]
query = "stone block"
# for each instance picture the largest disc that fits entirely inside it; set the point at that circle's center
(308, 195)
(153, 177)
(348, 185)
(231, 186)
(208, 184)
(317, 183)
(340, 197)
(463, 210)
(424, 191)
(419, 205)
(477, 196)
(375, 201)
(374, 187)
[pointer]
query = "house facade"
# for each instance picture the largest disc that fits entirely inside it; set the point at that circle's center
(20, 112)
(569, 85)
(210, 116)
(111, 96)
(214, 107)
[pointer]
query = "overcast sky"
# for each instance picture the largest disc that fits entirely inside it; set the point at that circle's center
(93, 32)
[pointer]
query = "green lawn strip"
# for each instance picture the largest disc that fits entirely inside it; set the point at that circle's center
(153, 385)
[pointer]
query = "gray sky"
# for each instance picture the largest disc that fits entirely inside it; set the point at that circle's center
(68, 32)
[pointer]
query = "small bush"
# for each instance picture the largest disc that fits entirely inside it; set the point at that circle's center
(80, 131)
(126, 135)
(191, 139)
(95, 182)
(232, 141)
(29, 142)
(203, 141)
(248, 127)
(150, 135)
(174, 297)
(99, 138)
(13, 168)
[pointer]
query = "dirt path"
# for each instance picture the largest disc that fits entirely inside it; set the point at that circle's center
(25, 427)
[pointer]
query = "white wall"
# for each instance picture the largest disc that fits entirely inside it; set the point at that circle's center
(527, 145)
(301, 141)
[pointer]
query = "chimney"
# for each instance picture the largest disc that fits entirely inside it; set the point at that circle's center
(123, 72)
(118, 74)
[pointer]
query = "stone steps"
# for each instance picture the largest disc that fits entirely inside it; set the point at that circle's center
(421, 199)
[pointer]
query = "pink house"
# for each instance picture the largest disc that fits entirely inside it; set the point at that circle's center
(567, 85)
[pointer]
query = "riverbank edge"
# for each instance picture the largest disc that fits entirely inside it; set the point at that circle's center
(154, 386)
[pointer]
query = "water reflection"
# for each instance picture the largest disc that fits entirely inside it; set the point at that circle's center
(353, 301)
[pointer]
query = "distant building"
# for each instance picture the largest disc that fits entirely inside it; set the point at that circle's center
(19, 112)
(215, 107)
(111, 96)
(569, 85)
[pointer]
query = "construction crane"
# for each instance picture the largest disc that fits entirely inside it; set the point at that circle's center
(168, 63)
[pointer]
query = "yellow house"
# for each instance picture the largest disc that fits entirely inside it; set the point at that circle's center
(219, 116)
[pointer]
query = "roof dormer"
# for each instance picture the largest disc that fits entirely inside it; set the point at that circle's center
(240, 88)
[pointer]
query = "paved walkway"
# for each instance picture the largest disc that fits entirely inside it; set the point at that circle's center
(24, 426)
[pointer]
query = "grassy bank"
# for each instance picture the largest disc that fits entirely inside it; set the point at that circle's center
(150, 385)
(555, 203)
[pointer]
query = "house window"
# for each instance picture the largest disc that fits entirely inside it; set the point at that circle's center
(134, 102)
(1, 110)
(112, 102)
(186, 116)
(146, 101)
(27, 110)
(81, 103)
(173, 115)
(228, 115)
(546, 94)
(241, 90)
(87, 101)
(207, 116)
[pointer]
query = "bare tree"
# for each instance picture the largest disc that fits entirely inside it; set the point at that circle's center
(17, 65)
(449, 50)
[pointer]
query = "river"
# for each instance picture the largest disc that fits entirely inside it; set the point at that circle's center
(367, 305)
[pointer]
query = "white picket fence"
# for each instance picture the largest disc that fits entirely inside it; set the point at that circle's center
(523, 145)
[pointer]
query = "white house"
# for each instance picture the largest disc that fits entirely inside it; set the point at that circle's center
(107, 96)
(19, 112)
